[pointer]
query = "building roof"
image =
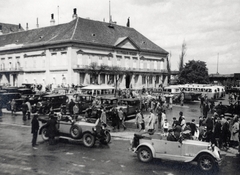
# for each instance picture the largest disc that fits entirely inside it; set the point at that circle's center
(9, 28)
(80, 30)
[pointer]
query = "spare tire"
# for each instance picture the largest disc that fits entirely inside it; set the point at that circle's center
(76, 131)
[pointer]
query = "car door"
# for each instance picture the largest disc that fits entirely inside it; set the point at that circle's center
(172, 150)
(64, 126)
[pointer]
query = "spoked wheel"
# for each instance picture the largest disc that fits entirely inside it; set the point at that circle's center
(206, 163)
(75, 131)
(44, 134)
(144, 154)
(88, 140)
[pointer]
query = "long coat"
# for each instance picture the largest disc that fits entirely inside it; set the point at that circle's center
(35, 125)
(51, 127)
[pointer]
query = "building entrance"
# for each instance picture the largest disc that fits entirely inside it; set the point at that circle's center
(127, 81)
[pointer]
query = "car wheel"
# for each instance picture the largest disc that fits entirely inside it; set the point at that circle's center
(144, 154)
(75, 131)
(88, 140)
(206, 162)
(108, 136)
(44, 134)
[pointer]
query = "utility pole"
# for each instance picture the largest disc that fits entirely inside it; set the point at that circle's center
(217, 63)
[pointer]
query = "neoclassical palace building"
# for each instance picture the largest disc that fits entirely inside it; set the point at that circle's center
(62, 55)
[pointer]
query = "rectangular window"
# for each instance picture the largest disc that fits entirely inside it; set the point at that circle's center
(119, 58)
(100, 62)
(127, 61)
(109, 61)
(134, 62)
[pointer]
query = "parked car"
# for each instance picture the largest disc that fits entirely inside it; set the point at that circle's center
(84, 101)
(7, 97)
(32, 98)
(52, 101)
(129, 106)
(148, 147)
(86, 129)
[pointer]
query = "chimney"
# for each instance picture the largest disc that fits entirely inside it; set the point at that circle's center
(128, 22)
(37, 23)
(19, 27)
(1, 30)
(52, 22)
(74, 16)
(26, 26)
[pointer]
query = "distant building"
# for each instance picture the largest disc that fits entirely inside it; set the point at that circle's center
(225, 79)
(61, 55)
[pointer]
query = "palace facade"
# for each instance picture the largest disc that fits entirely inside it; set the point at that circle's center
(62, 55)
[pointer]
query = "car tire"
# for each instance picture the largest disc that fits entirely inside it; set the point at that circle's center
(75, 131)
(44, 134)
(206, 163)
(88, 140)
(144, 154)
(108, 136)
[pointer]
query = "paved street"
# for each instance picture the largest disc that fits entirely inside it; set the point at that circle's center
(18, 157)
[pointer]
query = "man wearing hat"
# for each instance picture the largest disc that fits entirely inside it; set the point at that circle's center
(35, 127)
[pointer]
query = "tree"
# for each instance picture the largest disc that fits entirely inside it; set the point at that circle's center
(194, 72)
(183, 54)
(116, 71)
(96, 70)
(169, 67)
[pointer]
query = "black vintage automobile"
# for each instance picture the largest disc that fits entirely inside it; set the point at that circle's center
(52, 101)
(32, 98)
(7, 97)
(83, 101)
(129, 106)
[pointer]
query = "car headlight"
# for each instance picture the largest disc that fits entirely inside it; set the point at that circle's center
(94, 129)
(211, 147)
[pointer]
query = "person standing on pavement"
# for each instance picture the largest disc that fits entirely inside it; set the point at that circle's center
(182, 98)
(234, 133)
(205, 109)
(140, 121)
(115, 119)
(70, 107)
(180, 117)
(51, 128)
(151, 122)
(218, 133)
(103, 117)
(35, 128)
(13, 106)
(209, 125)
(29, 109)
(24, 111)
(122, 118)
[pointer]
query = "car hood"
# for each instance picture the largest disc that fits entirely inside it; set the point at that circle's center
(196, 142)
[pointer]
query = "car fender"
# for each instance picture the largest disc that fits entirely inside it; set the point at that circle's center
(40, 130)
(205, 151)
(150, 146)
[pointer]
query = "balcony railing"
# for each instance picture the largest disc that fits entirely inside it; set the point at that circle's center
(12, 69)
(128, 69)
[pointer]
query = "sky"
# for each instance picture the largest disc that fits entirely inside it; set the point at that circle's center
(210, 28)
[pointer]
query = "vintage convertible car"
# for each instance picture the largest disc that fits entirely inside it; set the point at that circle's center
(87, 130)
(148, 147)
